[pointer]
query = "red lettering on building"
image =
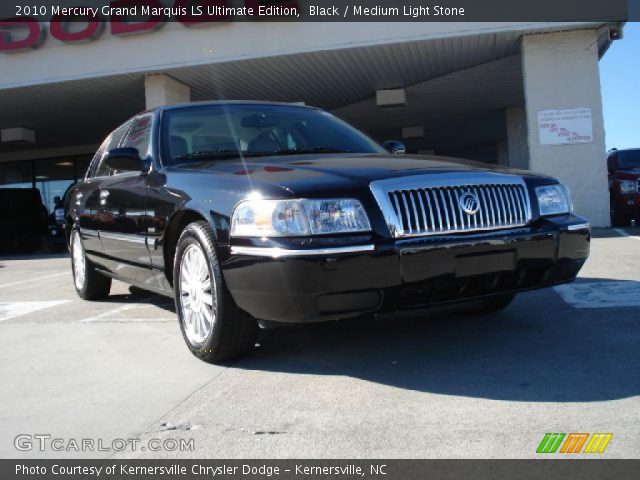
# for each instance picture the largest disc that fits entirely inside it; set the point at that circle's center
(26, 32)
(60, 28)
(12, 27)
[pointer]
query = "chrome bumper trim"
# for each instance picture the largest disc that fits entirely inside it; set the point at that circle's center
(283, 252)
(578, 226)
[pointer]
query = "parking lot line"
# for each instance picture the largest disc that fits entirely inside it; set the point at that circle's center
(625, 234)
(31, 280)
(610, 294)
(104, 316)
(9, 310)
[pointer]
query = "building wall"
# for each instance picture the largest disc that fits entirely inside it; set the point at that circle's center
(561, 72)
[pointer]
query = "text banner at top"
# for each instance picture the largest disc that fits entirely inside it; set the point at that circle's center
(195, 12)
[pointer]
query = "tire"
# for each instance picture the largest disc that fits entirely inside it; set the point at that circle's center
(494, 304)
(89, 284)
(214, 328)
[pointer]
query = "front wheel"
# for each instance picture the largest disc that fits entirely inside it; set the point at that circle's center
(89, 284)
(213, 327)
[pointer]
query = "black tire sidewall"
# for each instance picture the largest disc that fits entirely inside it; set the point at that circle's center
(196, 234)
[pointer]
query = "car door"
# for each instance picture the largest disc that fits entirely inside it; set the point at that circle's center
(123, 197)
(86, 199)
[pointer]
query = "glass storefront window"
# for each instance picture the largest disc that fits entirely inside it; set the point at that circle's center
(16, 175)
(53, 177)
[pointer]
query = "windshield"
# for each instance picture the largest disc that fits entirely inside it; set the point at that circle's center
(628, 159)
(245, 130)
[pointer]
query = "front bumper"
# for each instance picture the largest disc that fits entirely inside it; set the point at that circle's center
(628, 205)
(332, 281)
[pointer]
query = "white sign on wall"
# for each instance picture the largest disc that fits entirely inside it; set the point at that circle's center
(565, 127)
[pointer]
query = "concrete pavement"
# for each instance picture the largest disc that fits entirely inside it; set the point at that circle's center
(400, 386)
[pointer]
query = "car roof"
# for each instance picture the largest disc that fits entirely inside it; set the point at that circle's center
(226, 102)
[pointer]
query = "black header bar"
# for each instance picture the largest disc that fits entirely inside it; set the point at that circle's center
(195, 12)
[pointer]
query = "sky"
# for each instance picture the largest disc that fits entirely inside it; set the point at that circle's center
(620, 80)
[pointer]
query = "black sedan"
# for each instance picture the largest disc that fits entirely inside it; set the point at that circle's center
(250, 213)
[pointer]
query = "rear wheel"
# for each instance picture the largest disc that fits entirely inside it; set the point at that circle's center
(494, 304)
(213, 327)
(89, 284)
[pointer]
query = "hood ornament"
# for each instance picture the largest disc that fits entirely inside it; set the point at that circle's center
(469, 203)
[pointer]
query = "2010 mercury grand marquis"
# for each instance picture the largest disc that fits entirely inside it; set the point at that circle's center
(247, 212)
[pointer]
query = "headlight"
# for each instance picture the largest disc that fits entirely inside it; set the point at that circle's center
(297, 218)
(627, 186)
(553, 199)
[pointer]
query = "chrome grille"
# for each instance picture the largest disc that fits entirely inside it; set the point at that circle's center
(431, 204)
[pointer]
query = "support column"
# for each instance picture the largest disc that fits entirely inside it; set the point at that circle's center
(560, 71)
(518, 147)
(161, 90)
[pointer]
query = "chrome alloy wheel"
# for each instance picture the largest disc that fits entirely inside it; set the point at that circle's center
(197, 295)
(78, 261)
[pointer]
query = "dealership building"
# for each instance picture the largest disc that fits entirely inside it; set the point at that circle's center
(525, 95)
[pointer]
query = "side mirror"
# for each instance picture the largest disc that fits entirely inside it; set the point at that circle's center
(394, 147)
(125, 160)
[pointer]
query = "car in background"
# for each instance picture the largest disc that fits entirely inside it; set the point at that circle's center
(624, 186)
(23, 217)
(56, 239)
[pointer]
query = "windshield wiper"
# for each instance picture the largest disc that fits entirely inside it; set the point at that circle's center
(305, 150)
(203, 155)
(225, 154)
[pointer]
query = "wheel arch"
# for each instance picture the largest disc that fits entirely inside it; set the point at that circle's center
(176, 224)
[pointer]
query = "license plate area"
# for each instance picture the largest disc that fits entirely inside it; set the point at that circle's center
(480, 264)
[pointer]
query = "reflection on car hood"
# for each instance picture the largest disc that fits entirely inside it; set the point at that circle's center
(289, 171)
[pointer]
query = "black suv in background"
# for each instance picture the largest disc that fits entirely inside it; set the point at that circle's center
(624, 186)
(246, 212)
(23, 217)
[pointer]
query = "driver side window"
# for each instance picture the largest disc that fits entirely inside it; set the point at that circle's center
(140, 135)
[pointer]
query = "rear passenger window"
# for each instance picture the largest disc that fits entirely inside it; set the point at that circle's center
(139, 135)
(112, 141)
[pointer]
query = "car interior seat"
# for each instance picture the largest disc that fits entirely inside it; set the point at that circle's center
(265, 142)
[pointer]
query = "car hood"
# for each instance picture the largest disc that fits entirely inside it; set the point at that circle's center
(304, 172)
(630, 174)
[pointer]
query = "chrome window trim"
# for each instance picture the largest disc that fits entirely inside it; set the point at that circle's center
(276, 252)
(579, 226)
(381, 190)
